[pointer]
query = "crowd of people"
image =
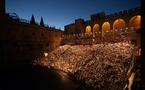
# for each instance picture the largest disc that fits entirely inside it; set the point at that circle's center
(99, 65)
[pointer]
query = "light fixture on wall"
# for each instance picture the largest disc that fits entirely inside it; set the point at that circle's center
(45, 54)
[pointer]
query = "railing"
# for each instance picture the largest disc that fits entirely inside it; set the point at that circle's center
(122, 35)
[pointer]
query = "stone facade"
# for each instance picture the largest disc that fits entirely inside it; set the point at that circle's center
(22, 40)
(103, 27)
(101, 22)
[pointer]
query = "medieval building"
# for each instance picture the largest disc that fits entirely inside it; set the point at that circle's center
(128, 19)
(22, 40)
(123, 25)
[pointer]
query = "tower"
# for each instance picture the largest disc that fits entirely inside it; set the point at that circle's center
(2, 6)
(41, 22)
(79, 25)
(32, 21)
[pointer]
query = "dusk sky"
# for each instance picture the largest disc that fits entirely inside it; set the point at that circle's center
(59, 13)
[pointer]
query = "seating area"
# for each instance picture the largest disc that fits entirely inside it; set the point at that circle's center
(99, 66)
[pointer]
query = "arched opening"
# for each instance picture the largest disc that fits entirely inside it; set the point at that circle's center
(135, 22)
(96, 28)
(118, 25)
(88, 29)
(105, 27)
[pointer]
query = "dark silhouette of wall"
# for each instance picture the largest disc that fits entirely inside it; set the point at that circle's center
(142, 45)
(22, 40)
(2, 6)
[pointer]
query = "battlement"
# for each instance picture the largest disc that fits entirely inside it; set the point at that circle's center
(88, 21)
(79, 20)
(97, 16)
(124, 12)
(101, 15)
(114, 14)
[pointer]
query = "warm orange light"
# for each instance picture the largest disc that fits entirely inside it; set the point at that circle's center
(119, 24)
(135, 21)
(138, 16)
(45, 54)
(88, 29)
(139, 53)
(96, 28)
(105, 27)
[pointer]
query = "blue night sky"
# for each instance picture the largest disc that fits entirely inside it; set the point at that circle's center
(59, 13)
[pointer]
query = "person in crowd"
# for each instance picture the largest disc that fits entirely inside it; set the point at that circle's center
(98, 65)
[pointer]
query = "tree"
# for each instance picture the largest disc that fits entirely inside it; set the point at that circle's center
(41, 22)
(32, 21)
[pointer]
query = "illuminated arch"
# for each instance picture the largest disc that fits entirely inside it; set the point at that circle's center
(96, 28)
(105, 27)
(119, 24)
(135, 21)
(88, 29)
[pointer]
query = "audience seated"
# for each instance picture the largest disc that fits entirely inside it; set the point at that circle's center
(99, 65)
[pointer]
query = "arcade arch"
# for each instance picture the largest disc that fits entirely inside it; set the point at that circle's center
(135, 22)
(88, 29)
(118, 25)
(96, 28)
(105, 27)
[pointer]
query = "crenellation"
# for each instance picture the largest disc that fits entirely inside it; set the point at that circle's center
(88, 21)
(125, 11)
(136, 9)
(111, 15)
(115, 13)
(94, 15)
(97, 16)
(120, 12)
(79, 20)
(107, 16)
(130, 10)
